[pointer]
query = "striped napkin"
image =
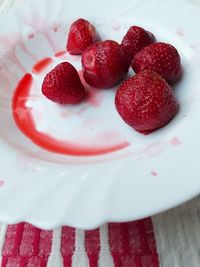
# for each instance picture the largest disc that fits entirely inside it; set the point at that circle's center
(171, 239)
(116, 244)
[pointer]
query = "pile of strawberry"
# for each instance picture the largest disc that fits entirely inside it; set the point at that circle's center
(145, 101)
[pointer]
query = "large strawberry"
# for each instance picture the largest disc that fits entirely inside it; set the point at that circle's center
(160, 57)
(62, 85)
(146, 102)
(104, 64)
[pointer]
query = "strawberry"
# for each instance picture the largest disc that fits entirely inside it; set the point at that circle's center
(63, 85)
(81, 35)
(160, 57)
(104, 64)
(146, 102)
(135, 39)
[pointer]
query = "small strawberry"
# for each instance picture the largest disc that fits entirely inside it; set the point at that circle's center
(135, 39)
(160, 57)
(81, 35)
(146, 102)
(104, 64)
(63, 85)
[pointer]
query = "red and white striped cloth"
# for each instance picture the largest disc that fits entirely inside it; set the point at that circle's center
(171, 239)
(116, 244)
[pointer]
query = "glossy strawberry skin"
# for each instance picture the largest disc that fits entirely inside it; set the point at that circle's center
(135, 39)
(81, 35)
(104, 64)
(162, 58)
(146, 102)
(63, 85)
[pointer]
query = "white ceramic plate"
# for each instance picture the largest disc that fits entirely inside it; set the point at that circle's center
(138, 175)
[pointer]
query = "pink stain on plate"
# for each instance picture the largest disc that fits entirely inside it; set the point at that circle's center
(31, 35)
(94, 97)
(82, 110)
(41, 65)
(1, 183)
(175, 141)
(56, 28)
(60, 53)
(154, 173)
(75, 58)
(154, 149)
(65, 114)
